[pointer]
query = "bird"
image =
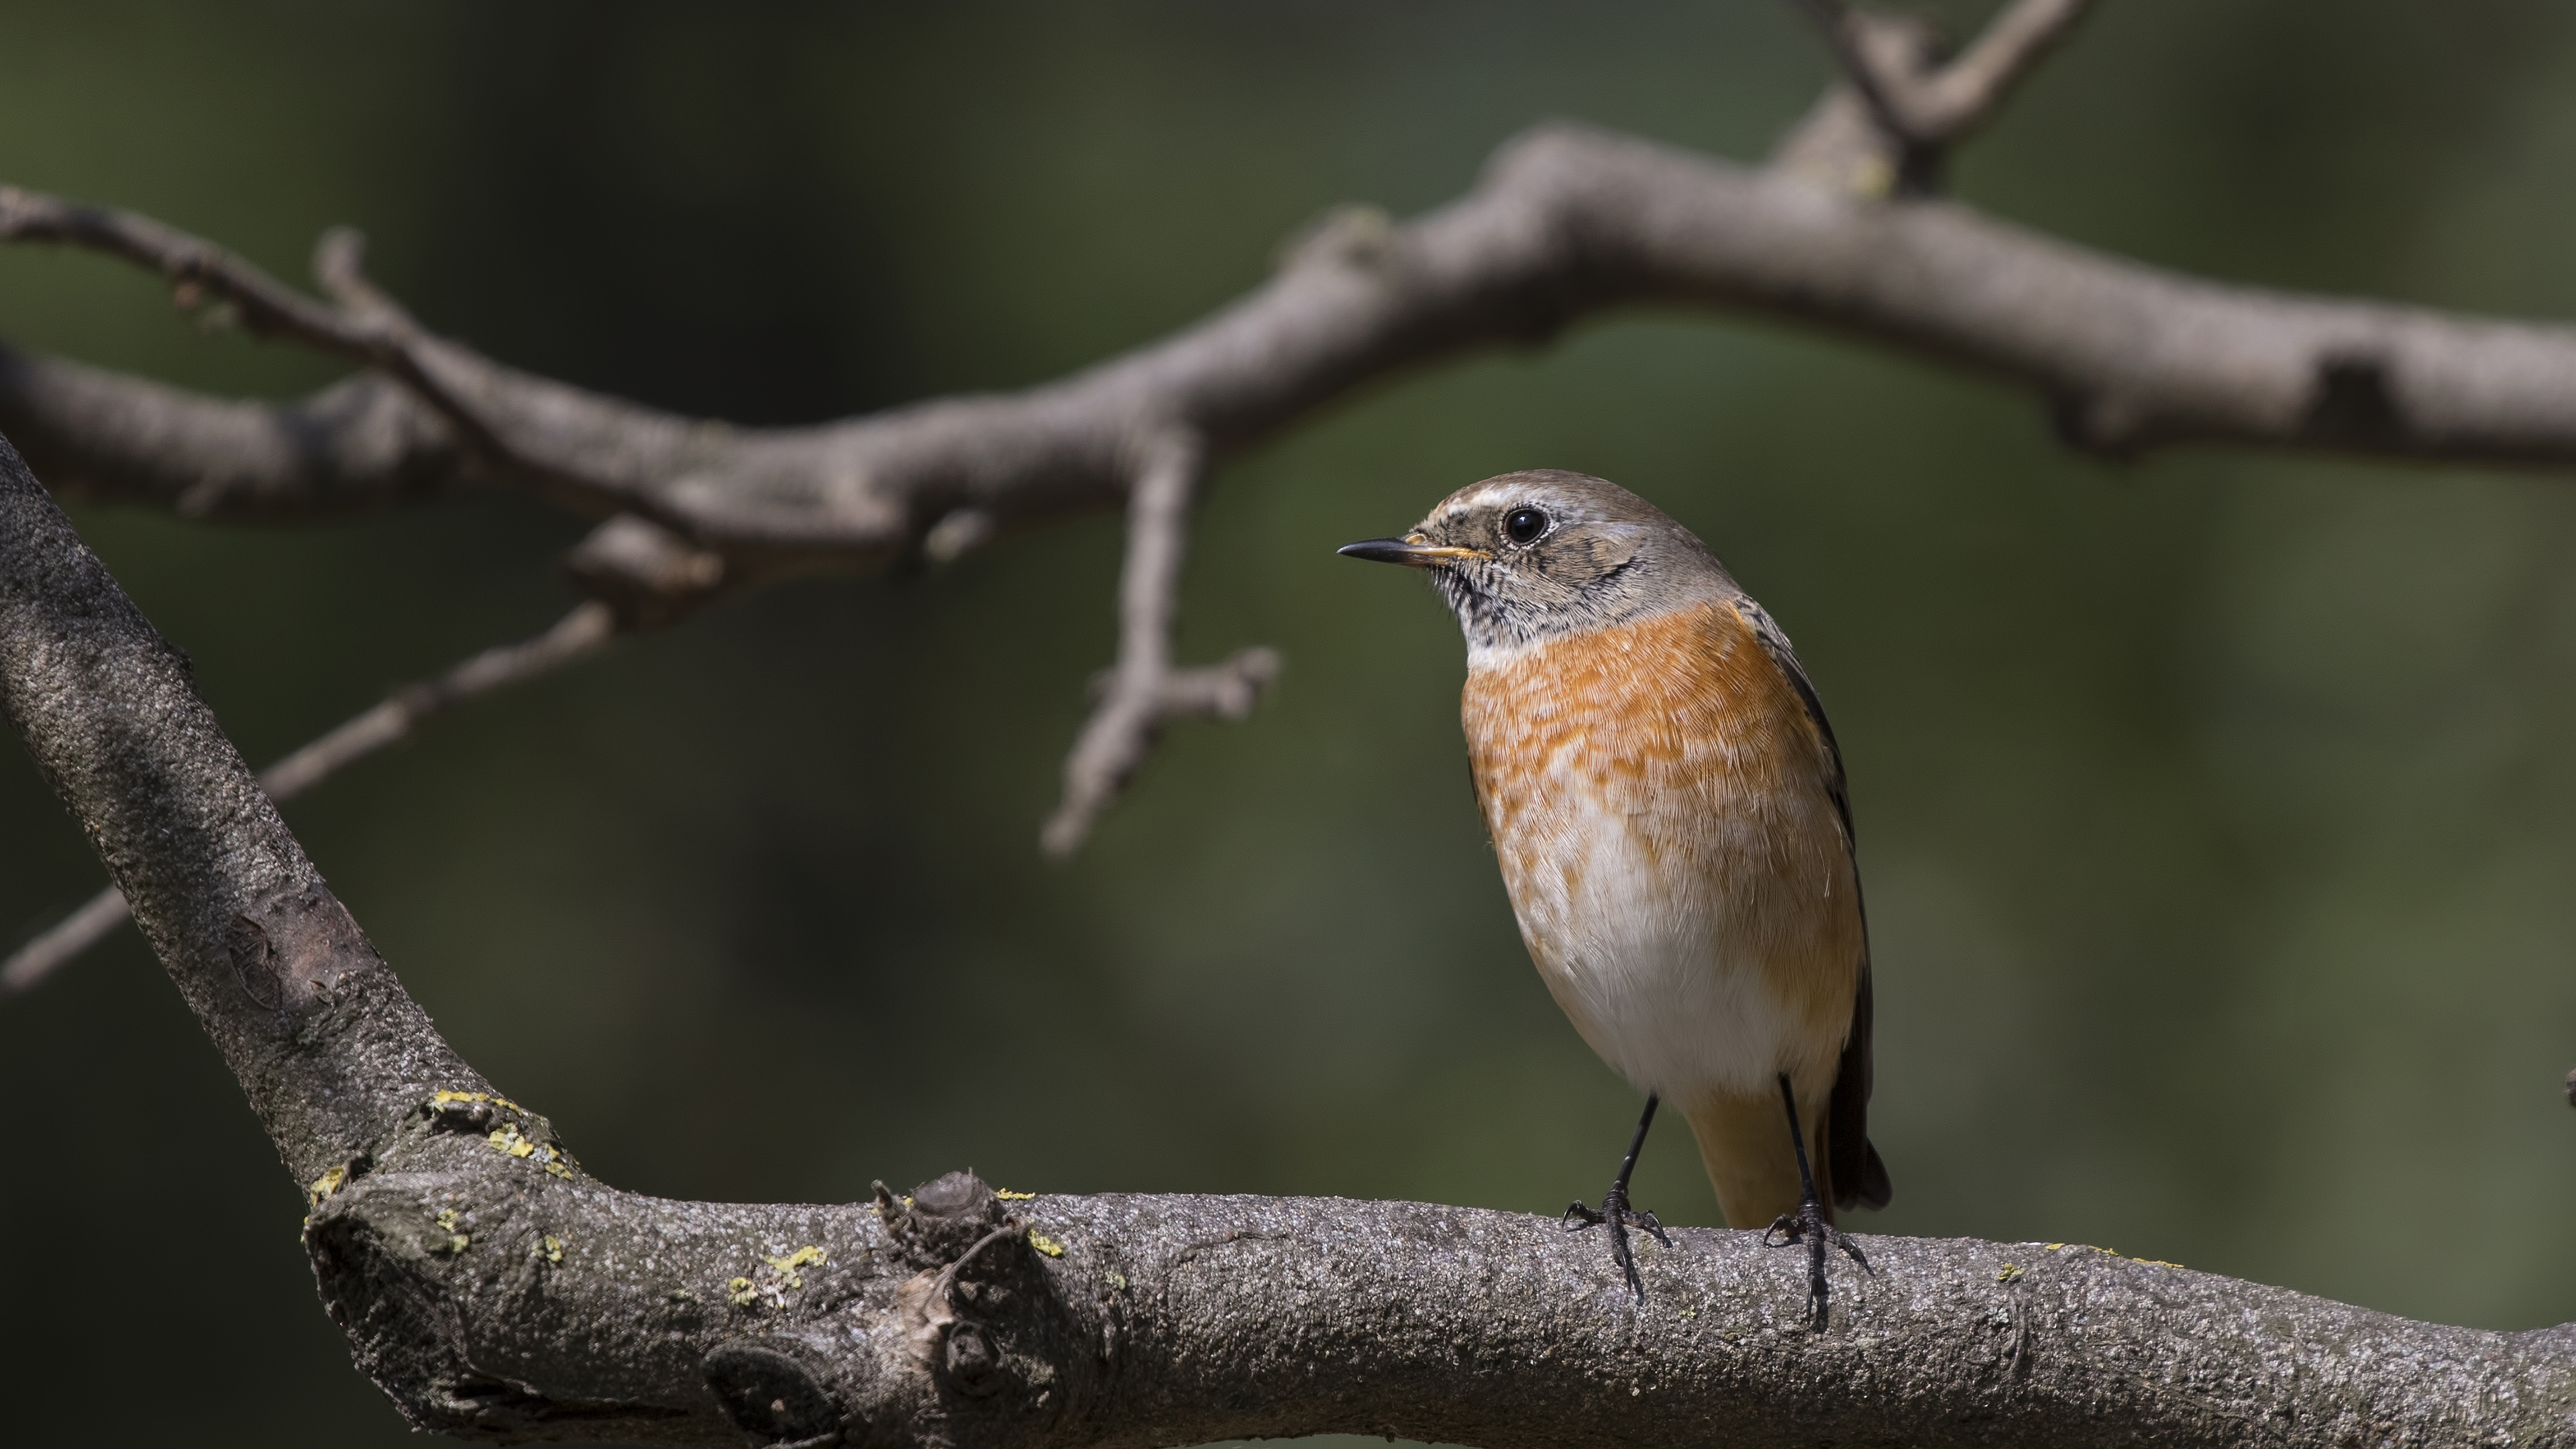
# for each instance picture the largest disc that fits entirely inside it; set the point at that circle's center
(1667, 805)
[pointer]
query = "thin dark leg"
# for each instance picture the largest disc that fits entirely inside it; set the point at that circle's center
(1808, 1223)
(1616, 1212)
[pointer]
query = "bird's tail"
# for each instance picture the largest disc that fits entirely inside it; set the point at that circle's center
(1744, 1143)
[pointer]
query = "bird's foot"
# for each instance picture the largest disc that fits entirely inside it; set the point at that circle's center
(1616, 1212)
(1808, 1225)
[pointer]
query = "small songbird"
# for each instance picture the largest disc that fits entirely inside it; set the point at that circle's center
(1667, 805)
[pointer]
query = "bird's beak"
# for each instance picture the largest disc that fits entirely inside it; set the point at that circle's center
(1410, 551)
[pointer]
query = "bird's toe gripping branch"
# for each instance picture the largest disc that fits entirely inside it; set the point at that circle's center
(1810, 1226)
(1618, 1215)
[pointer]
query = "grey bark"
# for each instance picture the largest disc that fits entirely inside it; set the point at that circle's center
(496, 1291)
(1567, 223)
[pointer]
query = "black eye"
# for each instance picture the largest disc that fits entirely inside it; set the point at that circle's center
(1525, 524)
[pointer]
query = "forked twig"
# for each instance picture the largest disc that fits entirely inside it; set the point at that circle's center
(1143, 689)
(1927, 103)
(1888, 127)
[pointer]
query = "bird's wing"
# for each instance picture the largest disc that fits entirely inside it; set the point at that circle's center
(1857, 1177)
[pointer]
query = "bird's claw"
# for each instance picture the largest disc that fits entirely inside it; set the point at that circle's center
(1616, 1212)
(1808, 1225)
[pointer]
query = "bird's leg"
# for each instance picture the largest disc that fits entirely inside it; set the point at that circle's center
(1616, 1212)
(1809, 1223)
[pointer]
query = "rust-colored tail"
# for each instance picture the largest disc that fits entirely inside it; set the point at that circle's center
(1744, 1143)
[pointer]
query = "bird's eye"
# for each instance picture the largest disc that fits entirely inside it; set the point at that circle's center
(1525, 524)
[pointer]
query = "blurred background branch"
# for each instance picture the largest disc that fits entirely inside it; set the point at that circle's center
(1568, 223)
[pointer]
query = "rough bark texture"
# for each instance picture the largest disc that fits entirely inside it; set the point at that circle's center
(497, 1292)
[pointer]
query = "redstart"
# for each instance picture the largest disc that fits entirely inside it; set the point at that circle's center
(1667, 805)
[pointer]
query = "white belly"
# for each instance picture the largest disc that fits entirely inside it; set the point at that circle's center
(1658, 961)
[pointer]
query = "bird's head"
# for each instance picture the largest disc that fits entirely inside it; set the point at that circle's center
(1527, 557)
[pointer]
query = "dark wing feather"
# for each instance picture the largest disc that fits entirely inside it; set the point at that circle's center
(1855, 1177)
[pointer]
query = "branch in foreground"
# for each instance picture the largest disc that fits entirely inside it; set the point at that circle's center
(1143, 690)
(577, 635)
(497, 1292)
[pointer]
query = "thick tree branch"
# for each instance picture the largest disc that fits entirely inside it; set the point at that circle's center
(263, 953)
(576, 636)
(496, 1292)
(1144, 689)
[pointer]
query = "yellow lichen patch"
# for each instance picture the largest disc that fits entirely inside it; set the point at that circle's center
(1006, 1195)
(744, 1295)
(2155, 1262)
(2054, 1247)
(1118, 1281)
(553, 1249)
(806, 1257)
(1045, 1244)
(325, 1185)
(456, 1242)
(509, 1141)
(2009, 1273)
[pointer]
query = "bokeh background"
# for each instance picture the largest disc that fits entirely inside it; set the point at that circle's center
(2217, 810)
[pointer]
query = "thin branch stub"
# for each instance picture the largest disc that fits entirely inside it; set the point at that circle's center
(1143, 690)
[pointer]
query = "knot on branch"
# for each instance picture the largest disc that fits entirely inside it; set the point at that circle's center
(774, 1397)
(942, 1220)
(646, 574)
(973, 1254)
(295, 951)
(1346, 236)
(2353, 403)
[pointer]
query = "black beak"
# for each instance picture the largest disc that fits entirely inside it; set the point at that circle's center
(1411, 553)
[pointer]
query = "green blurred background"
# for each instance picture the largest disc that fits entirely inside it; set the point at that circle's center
(2216, 810)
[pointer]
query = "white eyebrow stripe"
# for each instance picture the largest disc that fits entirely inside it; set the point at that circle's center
(1461, 507)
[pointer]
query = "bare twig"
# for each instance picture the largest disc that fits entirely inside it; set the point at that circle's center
(1143, 689)
(1967, 90)
(1926, 103)
(577, 635)
(200, 273)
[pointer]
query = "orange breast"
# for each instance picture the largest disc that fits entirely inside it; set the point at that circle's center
(1659, 804)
